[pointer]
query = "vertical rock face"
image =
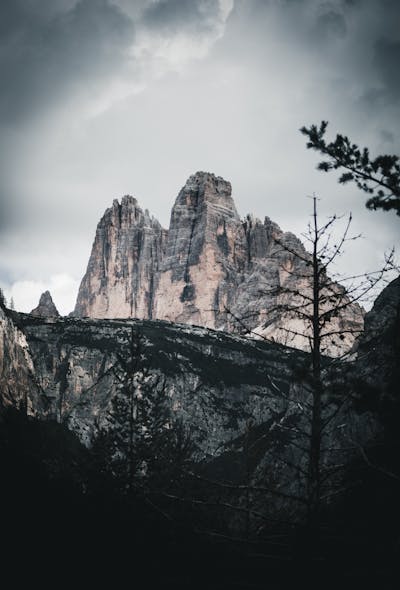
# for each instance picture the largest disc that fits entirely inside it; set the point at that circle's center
(205, 249)
(46, 307)
(17, 386)
(123, 267)
(210, 268)
(379, 348)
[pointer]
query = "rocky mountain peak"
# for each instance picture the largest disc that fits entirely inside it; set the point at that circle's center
(127, 213)
(206, 189)
(127, 202)
(204, 239)
(126, 252)
(209, 268)
(46, 307)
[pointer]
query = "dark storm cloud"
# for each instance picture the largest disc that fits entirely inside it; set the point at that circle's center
(330, 23)
(173, 15)
(135, 95)
(50, 53)
(360, 39)
(45, 55)
(387, 60)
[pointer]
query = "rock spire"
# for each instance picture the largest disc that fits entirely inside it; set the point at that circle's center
(46, 307)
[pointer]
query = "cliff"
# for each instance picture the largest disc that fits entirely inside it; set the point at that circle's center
(379, 352)
(215, 381)
(222, 388)
(17, 386)
(123, 267)
(209, 269)
(242, 402)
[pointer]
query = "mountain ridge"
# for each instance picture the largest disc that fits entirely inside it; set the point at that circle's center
(209, 268)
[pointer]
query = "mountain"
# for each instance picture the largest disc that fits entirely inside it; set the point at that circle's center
(240, 400)
(216, 384)
(210, 268)
(46, 307)
(215, 381)
(123, 268)
(242, 404)
(379, 353)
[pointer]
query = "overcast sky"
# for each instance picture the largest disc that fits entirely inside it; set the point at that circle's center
(102, 98)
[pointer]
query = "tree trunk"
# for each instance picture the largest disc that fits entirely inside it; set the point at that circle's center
(314, 483)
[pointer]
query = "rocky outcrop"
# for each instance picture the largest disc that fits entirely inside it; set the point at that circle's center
(378, 353)
(205, 254)
(214, 381)
(46, 307)
(222, 388)
(242, 402)
(209, 269)
(123, 268)
(17, 384)
(382, 323)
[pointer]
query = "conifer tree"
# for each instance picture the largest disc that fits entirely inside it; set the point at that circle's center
(144, 445)
(378, 177)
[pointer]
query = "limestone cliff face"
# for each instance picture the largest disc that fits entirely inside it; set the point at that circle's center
(205, 253)
(124, 263)
(210, 269)
(214, 381)
(221, 387)
(217, 385)
(46, 307)
(17, 384)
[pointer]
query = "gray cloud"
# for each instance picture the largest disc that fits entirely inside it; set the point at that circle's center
(47, 56)
(173, 15)
(387, 60)
(234, 109)
(387, 136)
(330, 24)
(51, 55)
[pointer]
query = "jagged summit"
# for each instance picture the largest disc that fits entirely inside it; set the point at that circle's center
(207, 262)
(46, 307)
(128, 202)
(204, 189)
(129, 210)
(202, 177)
(124, 260)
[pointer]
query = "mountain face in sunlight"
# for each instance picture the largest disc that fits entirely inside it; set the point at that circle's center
(210, 268)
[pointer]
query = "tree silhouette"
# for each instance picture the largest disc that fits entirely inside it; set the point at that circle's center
(3, 300)
(378, 177)
(311, 310)
(143, 445)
